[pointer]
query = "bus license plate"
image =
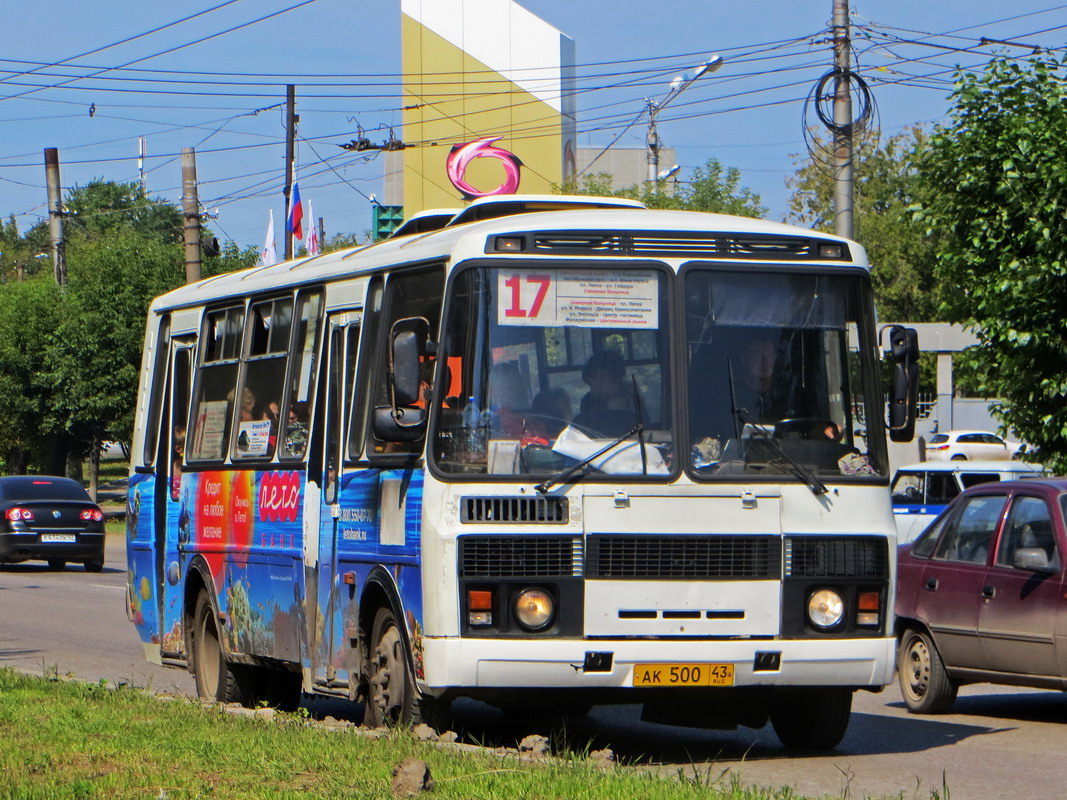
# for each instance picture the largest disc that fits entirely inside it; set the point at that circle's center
(683, 675)
(68, 538)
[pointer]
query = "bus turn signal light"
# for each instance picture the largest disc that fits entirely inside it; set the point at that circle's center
(479, 607)
(868, 605)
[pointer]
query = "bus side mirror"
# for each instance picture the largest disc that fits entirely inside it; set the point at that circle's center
(402, 420)
(904, 349)
(404, 367)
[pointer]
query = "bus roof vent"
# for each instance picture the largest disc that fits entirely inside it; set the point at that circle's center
(506, 205)
(518, 510)
(680, 245)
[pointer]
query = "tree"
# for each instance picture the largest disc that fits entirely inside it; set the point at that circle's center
(70, 357)
(996, 191)
(29, 313)
(103, 207)
(886, 187)
(713, 188)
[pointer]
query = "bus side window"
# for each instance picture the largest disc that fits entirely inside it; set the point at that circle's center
(213, 410)
(360, 406)
(270, 323)
(296, 418)
(411, 294)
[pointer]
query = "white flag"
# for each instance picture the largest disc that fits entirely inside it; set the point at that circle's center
(269, 254)
(311, 241)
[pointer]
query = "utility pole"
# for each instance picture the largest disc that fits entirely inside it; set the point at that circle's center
(843, 225)
(142, 154)
(55, 214)
(322, 234)
(290, 141)
(191, 213)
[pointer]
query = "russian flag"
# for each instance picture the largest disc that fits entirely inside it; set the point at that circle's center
(296, 214)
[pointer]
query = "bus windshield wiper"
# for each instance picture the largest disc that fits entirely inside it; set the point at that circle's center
(795, 467)
(562, 477)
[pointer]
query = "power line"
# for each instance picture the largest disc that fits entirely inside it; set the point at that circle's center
(168, 50)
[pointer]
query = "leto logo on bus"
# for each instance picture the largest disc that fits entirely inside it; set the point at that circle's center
(461, 155)
(279, 497)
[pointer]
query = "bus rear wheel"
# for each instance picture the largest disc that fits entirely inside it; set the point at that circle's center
(811, 720)
(393, 700)
(216, 679)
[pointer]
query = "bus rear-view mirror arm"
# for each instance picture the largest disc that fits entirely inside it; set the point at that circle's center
(904, 349)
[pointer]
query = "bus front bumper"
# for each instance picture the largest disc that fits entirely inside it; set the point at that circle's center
(457, 663)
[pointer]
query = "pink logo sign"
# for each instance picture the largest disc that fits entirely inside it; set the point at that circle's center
(279, 496)
(462, 154)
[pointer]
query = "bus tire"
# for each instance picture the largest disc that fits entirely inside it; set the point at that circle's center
(392, 698)
(216, 679)
(925, 685)
(811, 720)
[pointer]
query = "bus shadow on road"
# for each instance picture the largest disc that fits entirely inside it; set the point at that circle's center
(620, 729)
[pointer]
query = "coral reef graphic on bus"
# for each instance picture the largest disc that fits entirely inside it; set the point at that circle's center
(461, 155)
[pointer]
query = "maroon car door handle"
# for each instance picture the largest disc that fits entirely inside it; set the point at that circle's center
(988, 591)
(931, 584)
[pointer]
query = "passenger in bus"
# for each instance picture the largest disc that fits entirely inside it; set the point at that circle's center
(177, 456)
(754, 389)
(609, 408)
(551, 413)
(731, 383)
(248, 405)
(296, 429)
(509, 399)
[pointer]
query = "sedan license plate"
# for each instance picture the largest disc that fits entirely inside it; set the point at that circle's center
(68, 538)
(683, 675)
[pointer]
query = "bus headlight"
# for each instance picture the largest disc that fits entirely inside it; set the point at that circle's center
(535, 609)
(825, 608)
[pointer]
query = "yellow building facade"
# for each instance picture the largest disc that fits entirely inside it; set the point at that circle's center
(488, 102)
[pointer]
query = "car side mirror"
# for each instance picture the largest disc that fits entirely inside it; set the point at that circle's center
(904, 398)
(1033, 559)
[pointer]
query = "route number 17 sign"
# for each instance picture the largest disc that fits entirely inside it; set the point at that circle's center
(582, 298)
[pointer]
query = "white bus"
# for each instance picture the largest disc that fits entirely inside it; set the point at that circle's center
(558, 452)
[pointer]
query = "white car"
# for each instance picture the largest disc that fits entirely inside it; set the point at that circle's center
(922, 491)
(970, 446)
(113, 451)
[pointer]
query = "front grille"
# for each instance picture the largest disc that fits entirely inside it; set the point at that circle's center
(836, 557)
(696, 557)
(518, 510)
(520, 556)
(681, 245)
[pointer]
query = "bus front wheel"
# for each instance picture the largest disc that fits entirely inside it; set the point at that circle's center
(216, 679)
(813, 719)
(393, 700)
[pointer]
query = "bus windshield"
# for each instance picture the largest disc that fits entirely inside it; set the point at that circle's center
(544, 367)
(781, 373)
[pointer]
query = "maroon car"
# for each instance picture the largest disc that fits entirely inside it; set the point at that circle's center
(979, 594)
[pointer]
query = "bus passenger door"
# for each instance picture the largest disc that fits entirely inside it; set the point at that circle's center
(328, 648)
(172, 506)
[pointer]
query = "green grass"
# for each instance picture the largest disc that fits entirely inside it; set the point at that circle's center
(85, 741)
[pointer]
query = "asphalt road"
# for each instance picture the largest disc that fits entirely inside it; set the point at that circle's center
(999, 742)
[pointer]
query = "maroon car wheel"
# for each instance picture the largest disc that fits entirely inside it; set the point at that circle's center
(926, 687)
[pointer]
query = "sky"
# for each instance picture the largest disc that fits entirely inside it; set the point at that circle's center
(91, 78)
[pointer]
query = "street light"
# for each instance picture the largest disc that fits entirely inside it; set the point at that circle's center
(678, 85)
